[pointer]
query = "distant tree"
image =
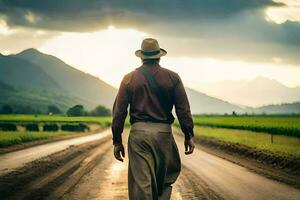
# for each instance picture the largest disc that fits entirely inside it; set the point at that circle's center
(53, 110)
(27, 110)
(234, 113)
(6, 109)
(100, 111)
(77, 110)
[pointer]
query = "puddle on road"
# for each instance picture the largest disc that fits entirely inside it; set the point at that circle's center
(116, 169)
(176, 195)
(115, 186)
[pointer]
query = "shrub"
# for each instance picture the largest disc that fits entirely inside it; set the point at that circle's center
(77, 110)
(32, 127)
(53, 110)
(84, 127)
(8, 127)
(50, 127)
(74, 127)
(100, 111)
(6, 109)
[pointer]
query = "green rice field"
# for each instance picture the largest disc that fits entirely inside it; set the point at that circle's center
(282, 145)
(289, 125)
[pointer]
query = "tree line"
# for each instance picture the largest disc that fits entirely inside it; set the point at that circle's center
(76, 110)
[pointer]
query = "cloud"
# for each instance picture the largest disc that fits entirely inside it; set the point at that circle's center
(15, 39)
(69, 14)
(289, 12)
(228, 29)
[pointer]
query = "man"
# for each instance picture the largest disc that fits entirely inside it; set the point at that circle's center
(151, 91)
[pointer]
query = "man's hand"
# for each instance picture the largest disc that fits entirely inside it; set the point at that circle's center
(189, 146)
(119, 152)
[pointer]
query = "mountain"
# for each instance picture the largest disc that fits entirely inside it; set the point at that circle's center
(91, 90)
(286, 108)
(39, 79)
(36, 101)
(23, 74)
(257, 92)
(201, 103)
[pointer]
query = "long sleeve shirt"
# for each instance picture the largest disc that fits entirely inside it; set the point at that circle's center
(144, 104)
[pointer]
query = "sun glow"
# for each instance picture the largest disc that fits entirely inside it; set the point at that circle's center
(109, 55)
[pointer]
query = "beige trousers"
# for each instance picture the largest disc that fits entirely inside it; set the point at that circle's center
(154, 162)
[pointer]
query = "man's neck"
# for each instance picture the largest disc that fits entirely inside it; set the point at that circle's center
(156, 64)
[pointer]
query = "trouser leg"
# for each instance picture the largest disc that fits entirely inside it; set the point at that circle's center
(141, 172)
(166, 194)
(171, 165)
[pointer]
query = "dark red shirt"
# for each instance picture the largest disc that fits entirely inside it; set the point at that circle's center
(144, 104)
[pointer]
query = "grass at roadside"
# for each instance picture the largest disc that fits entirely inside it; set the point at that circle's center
(12, 138)
(282, 145)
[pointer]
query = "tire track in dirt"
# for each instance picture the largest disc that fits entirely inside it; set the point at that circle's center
(190, 186)
(108, 180)
(38, 179)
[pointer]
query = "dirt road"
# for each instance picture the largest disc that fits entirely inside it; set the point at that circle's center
(13, 160)
(96, 174)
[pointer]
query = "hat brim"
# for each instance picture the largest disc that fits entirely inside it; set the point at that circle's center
(140, 54)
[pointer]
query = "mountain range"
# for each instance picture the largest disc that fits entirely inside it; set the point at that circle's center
(32, 78)
(260, 91)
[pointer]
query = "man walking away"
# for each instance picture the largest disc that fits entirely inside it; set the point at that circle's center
(151, 91)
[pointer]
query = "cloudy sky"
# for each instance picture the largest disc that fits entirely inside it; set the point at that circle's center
(206, 40)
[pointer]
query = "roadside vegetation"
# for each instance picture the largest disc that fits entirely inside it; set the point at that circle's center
(17, 129)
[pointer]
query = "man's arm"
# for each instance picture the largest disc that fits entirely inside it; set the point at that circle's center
(119, 116)
(184, 116)
(119, 112)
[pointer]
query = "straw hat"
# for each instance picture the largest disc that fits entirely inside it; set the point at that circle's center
(150, 49)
